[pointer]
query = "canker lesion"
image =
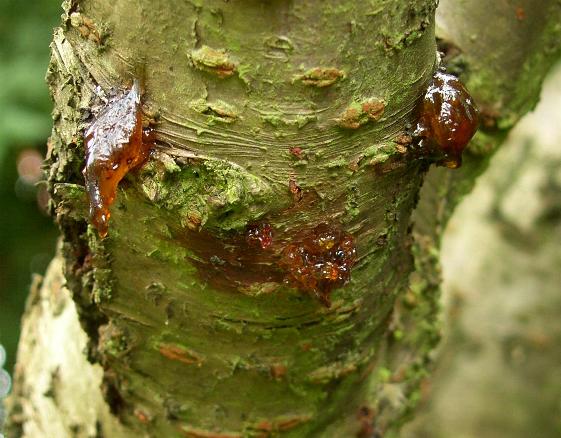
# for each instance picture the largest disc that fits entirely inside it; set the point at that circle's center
(116, 143)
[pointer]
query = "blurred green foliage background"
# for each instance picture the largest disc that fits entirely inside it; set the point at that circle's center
(27, 234)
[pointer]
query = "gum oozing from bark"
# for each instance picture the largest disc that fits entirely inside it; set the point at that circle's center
(320, 262)
(260, 235)
(448, 119)
(115, 144)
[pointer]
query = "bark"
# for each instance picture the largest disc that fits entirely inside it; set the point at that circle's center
(194, 333)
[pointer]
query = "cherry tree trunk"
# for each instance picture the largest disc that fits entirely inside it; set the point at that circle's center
(273, 122)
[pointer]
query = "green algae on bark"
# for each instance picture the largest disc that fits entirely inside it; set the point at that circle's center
(214, 194)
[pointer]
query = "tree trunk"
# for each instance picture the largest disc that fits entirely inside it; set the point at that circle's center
(262, 113)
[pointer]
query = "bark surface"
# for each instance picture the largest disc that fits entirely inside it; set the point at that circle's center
(189, 330)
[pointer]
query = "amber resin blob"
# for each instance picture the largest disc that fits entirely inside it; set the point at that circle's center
(115, 144)
(321, 261)
(448, 120)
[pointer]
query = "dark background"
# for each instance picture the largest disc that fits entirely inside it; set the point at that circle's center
(27, 234)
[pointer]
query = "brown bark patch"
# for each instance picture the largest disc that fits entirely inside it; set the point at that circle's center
(320, 77)
(180, 354)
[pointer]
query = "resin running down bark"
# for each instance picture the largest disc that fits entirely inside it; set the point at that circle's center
(115, 143)
(244, 136)
(321, 261)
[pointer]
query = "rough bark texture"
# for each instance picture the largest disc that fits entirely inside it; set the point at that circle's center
(196, 333)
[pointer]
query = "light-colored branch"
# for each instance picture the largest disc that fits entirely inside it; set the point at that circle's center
(56, 390)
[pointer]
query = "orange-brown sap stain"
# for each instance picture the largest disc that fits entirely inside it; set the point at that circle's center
(261, 258)
(115, 144)
(448, 119)
(320, 261)
(234, 262)
(260, 235)
(315, 261)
